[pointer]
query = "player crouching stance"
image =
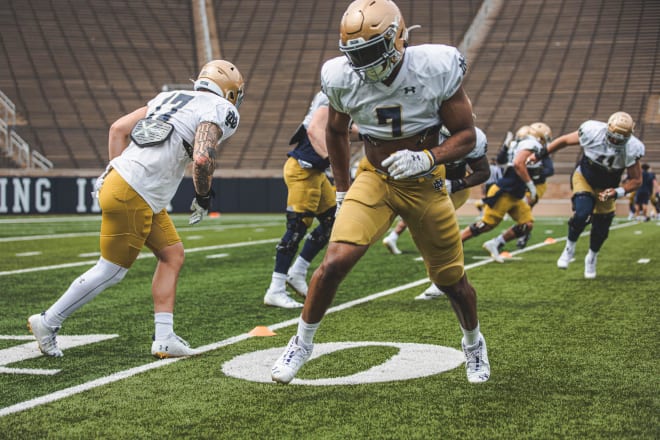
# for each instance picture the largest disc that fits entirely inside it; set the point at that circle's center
(149, 150)
(609, 150)
(372, 85)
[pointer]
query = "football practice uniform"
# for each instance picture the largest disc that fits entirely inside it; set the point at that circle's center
(507, 194)
(309, 190)
(430, 75)
(144, 179)
(602, 165)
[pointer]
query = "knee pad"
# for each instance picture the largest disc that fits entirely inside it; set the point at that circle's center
(520, 230)
(296, 228)
(479, 228)
(321, 234)
(583, 205)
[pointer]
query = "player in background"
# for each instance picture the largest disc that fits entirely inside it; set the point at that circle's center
(399, 97)
(512, 194)
(539, 174)
(309, 195)
(643, 195)
(149, 150)
(609, 148)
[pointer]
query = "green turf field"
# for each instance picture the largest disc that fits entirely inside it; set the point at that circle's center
(570, 358)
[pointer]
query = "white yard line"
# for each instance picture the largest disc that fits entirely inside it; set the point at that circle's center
(67, 392)
(96, 233)
(141, 256)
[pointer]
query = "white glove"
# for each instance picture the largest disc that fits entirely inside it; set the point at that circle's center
(448, 186)
(532, 191)
(99, 182)
(339, 197)
(406, 163)
(200, 207)
(198, 213)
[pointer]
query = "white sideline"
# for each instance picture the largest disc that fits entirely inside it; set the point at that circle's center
(67, 392)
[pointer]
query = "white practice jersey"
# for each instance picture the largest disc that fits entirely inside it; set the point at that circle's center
(320, 100)
(431, 74)
(596, 148)
(527, 143)
(156, 172)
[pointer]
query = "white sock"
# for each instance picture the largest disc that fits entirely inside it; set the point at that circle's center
(306, 331)
(164, 325)
(471, 337)
(393, 236)
(500, 240)
(299, 266)
(570, 245)
(84, 289)
(591, 255)
(278, 282)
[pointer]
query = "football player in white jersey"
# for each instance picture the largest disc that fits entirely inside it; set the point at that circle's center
(458, 181)
(399, 97)
(309, 194)
(513, 194)
(609, 148)
(149, 150)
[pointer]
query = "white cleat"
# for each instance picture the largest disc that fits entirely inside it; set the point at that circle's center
(491, 247)
(172, 347)
(391, 246)
(432, 292)
(280, 299)
(295, 355)
(590, 266)
(565, 258)
(298, 282)
(46, 336)
(476, 361)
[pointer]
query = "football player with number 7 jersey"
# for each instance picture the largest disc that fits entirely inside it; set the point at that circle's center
(399, 97)
(608, 149)
(149, 150)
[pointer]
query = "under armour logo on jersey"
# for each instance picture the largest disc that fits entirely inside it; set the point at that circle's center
(407, 90)
(231, 120)
(462, 64)
(438, 184)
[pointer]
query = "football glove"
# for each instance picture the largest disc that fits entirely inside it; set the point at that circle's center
(406, 163)
(99, 182)
(200, 207)
(533, 196)
(455, 185)
(339, 197)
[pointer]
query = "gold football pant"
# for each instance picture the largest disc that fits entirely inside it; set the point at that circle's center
(580, 185)
(374, 200)
(309, 190)
(128, 223)
(518, 209)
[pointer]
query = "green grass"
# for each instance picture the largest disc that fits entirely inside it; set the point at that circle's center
(571, 358)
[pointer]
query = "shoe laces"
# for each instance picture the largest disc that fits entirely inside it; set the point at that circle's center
(294, 354)
(183, 341)
(474, 358)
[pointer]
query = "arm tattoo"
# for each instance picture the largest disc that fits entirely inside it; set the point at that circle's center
(206, 139)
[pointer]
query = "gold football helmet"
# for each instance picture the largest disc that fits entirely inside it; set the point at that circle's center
(542, 132)
(373, 36)
(222, 78)
(523, 132)
(620, 127)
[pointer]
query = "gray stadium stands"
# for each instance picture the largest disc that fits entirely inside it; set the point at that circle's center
(73, 67)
